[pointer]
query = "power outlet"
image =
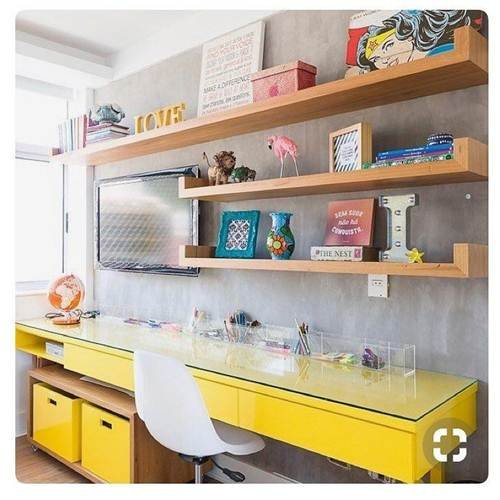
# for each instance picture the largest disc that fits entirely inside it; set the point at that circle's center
(378, 285)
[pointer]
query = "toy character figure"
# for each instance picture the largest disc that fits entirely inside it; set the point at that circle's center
(224, 165)
(242, 174)
(402, 37)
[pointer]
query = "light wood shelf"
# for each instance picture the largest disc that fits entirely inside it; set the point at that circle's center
(464, 67)
(470, 164)
(469, 261)
(38, 350)
(106, 397)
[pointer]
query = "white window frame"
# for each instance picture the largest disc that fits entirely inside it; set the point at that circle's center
(42, 154)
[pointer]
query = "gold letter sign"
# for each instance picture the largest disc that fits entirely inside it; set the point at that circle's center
(159, 118)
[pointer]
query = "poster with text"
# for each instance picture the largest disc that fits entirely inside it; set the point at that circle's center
(350, 222)
(226, 67)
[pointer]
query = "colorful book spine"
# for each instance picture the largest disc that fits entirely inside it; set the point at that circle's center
(108, 125)
(104, 135)
(72, 133)
(407, 161)
(419, 155)
(344, 253)
(410, 152)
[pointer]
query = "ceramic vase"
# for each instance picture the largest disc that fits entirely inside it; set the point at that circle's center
(280, 240)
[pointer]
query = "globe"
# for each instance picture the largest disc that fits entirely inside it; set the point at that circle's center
(66, 293)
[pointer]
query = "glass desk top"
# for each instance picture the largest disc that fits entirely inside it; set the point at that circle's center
(386, 391)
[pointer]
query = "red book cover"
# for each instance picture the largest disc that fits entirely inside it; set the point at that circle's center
(350, 222)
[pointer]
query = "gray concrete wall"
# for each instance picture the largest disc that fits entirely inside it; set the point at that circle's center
(446, 319)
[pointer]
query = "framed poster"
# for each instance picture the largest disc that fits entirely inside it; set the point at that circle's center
(226, 67)
(350, 222)
(379, 39)
(350, 148)
(238, 234)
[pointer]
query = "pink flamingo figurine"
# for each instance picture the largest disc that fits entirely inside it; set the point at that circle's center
(283, 146)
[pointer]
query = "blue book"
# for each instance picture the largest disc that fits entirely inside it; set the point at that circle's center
(426, 151)
(414, 151)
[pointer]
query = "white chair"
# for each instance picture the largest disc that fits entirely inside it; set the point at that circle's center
(169, 402)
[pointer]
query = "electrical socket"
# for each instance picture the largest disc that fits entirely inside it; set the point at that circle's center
(378, 285)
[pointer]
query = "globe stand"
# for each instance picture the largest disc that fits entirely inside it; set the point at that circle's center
(65, 294)
(68, 318)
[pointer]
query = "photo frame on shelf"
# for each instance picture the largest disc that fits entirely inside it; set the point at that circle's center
(350, 147)
(238, 234)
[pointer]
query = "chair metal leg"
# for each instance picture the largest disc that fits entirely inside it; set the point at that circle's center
(198, 476)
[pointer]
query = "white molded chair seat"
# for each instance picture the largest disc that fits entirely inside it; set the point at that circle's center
(238, 441)
(169, 402)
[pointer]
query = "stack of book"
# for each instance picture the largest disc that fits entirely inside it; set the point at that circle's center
(438, 147)
(105, 131)
(72, 133)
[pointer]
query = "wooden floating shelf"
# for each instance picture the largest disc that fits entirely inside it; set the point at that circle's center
(469, 261)
(39, 351)
(470, 164)
(463, 67)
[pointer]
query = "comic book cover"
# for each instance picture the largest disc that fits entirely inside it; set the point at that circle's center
(383, 38)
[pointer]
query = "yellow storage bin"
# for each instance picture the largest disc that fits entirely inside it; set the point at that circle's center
(57, 421)
(105, 444)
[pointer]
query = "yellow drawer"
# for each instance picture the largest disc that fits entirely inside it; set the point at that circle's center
(368, 445)
(105, 444)
(221, 400)
(100, 365)
(57, 422)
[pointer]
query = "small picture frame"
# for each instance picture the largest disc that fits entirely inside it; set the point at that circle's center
(238, 234)
(350, 147)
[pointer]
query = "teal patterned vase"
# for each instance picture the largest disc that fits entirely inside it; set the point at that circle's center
(280, 240)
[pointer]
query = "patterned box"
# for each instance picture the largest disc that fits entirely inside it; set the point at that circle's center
(283, 79)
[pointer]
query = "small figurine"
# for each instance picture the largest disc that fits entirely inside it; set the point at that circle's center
(371, 360)
(281, 147)
(224, 165)
(242, 174)
(415, 256)
(106, 113)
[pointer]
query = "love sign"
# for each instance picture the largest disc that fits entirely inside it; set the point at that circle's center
(158, 118)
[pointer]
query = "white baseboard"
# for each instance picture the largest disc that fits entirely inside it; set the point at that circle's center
(252, 474)
(20, 423)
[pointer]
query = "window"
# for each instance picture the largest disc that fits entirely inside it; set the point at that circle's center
(39, 190)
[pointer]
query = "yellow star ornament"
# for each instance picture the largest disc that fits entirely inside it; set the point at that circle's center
(415, 256)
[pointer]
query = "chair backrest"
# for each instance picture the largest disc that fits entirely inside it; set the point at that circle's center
(169, 402)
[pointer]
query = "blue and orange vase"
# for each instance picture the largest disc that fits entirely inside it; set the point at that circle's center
(280, 240)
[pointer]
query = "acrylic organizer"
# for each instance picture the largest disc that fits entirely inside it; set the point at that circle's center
(374, 354)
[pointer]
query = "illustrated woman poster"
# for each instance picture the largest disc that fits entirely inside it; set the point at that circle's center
(380, 39)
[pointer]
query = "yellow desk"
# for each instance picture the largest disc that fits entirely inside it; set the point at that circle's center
(377, 420)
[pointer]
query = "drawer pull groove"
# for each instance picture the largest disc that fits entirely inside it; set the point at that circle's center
(108, 425)
(52, 401)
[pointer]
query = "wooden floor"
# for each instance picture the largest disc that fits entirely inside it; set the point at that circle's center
(38, 467)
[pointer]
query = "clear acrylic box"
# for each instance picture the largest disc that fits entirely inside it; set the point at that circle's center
(374, 354)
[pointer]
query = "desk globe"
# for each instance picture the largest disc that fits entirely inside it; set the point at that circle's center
(66, 293)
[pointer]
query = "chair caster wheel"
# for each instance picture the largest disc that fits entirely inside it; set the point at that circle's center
(34, 448)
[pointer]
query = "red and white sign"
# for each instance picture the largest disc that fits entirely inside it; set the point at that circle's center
(350, 222)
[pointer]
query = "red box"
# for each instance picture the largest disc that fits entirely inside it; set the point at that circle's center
(283, 79)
